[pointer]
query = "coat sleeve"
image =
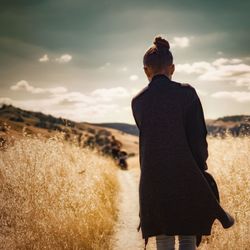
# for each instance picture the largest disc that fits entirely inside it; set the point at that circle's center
(137, 124)
(133, 112)
(196, 132)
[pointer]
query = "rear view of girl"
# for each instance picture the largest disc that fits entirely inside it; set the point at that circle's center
(175, 198)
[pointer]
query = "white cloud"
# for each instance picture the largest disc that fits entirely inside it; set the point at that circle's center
(239, 96)
(24, 85)
(201, 92)
(196, 67)
(44, 58)
(75, 97)
(64, 58)
(71, 104)
(6, 100)
(133, 77)
(135, 91)
(221, 61)
(30, 104)
(221, 69)
(95, 105)
(101, 95)
(80, 112)
(104, 94)
(181, 42)
(110, 94)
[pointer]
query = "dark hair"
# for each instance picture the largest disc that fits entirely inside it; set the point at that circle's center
(158, 56)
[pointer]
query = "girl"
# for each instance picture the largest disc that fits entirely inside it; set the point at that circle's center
(174, 196)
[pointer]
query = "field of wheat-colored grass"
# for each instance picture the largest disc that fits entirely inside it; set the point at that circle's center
(54, 195)
(229, 163)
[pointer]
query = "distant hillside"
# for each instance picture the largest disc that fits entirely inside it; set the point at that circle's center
(237, 125)
(14, 121)
(124, 127)
(117, 140)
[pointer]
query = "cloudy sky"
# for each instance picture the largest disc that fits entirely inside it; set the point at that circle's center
(82, 59)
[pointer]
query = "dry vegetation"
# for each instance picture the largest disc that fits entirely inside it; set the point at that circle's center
(229, 163)
(54, 195)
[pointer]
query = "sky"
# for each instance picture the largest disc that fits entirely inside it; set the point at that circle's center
(82, 59)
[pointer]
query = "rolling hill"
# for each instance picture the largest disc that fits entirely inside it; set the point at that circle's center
(117, 140)
(236, 125)
(14, 122)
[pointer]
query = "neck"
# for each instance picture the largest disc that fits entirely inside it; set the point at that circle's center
(160, 73)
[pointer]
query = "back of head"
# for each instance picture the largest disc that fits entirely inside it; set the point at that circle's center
(159, 55)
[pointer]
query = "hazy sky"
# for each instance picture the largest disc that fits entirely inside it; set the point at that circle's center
(82, 60)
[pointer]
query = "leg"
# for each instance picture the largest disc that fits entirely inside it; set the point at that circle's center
(187, 242)
(165, 242)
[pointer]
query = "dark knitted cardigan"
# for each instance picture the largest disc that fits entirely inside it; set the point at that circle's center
(174, 196)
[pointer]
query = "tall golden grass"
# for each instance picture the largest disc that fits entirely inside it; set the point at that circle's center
(229, 163)
(54, 195)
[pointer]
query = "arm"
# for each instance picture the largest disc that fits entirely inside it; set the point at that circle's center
(196, 132)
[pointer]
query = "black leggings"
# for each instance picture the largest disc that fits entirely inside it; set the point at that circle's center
(167, 242)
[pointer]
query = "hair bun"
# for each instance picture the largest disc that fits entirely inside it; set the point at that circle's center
(160, 42)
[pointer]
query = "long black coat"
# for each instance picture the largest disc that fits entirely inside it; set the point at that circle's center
(174, 196)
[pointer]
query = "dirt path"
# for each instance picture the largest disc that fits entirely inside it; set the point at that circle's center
(127, 237)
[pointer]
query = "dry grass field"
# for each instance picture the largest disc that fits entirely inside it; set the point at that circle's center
(229, 162)
(54, 195)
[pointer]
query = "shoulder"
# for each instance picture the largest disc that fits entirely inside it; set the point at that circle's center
(189, 89)
(185, 86)
(188, 92)
(139, 94)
